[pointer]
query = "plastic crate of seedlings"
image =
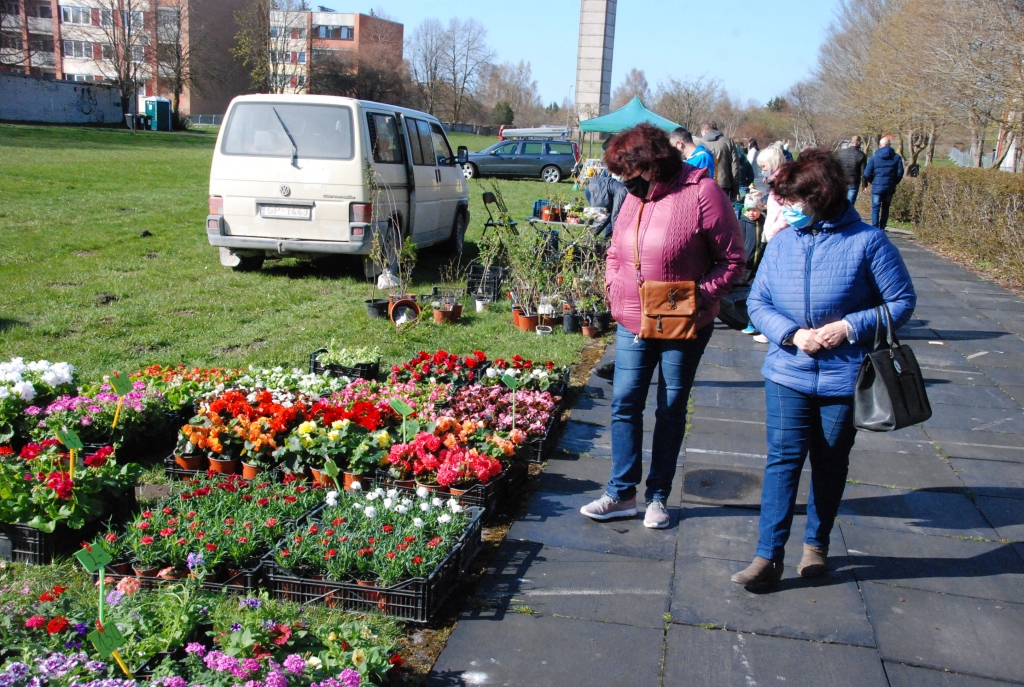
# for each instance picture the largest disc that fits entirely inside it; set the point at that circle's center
(27, 544)
(488, 497)
(368, 370)
(415, 600)
(487, 282)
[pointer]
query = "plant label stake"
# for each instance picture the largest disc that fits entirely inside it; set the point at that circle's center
(73, 444)
(122, 386)
(106, 638)
(512, 383)
(405, 410)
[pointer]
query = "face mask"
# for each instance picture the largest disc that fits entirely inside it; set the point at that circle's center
(638, 186)
(795, 217)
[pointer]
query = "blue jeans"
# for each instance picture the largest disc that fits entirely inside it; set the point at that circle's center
(880, 209)
(800, 425)
(635, 361)
(852, 191)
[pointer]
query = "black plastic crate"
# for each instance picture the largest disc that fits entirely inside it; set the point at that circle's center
(489, 497)
(240, 582)
(417, 600)
(480, 282)
(541, 446)
(369, 371)
(26, 544)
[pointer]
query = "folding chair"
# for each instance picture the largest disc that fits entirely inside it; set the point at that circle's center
(489, 200)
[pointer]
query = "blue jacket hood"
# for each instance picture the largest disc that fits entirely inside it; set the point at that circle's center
(886, 153)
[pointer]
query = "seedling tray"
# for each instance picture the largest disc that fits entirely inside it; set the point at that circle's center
(489, 497)
(369, 371)
(417, 600)
(26, 544)
(239, 582)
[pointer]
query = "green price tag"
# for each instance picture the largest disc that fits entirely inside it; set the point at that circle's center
(95, 559)
(70, 439)
(108, 641)
(510, 381)
(400, 407)
(122, 385)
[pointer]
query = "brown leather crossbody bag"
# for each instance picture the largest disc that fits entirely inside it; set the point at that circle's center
(668, 308)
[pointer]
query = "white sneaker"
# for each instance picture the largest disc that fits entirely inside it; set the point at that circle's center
(606, 508)
(760, 338)
(656, 516)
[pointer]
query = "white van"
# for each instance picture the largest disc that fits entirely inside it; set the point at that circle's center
(291, 175)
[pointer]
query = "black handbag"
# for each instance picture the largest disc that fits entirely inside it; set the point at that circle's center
(890, 392)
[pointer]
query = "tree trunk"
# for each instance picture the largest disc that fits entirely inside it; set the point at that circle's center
(996, 164)
(930, 154)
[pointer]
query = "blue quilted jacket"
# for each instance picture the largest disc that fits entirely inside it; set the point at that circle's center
(820, 274)
(884, 171)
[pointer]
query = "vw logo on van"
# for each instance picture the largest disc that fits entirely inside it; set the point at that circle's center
(285, 191)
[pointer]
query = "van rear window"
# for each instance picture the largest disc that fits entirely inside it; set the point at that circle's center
(262, 130)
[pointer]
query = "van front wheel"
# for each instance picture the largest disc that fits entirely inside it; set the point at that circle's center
(456, 241)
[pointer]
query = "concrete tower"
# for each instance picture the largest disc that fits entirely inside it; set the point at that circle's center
(594, 58)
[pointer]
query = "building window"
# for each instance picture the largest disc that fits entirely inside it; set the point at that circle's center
(76, 15)
(78, 49)
(138, 53)
(129, 20)
(44, 12)
(345, 33)
(107, 51)
(302, 58)
(11, 8)
(300, 82)
(10, 42)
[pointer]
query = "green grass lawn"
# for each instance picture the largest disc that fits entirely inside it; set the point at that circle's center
(80, 284)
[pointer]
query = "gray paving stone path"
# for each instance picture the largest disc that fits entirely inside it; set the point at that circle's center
(926, 580)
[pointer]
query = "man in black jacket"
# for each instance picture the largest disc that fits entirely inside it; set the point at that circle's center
(853, 160)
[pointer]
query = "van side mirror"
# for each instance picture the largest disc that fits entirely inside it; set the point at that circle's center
(463, 155)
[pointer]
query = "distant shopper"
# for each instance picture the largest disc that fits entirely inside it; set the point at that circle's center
(884, 172)
(694, 154)
(727, 162)
(853, 159)
(819, 316)
(785, 151)
(769, 161)
(678, 224)
(752, 228)
(752, 150)
(746, 177)
(608, 193)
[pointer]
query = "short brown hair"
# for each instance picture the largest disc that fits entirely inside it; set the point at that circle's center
(815, 178)
(644, 148)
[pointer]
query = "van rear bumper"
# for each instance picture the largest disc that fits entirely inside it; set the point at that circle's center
(214, 232)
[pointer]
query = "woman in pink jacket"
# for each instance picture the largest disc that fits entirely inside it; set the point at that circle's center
(687, 232)
(770, 159)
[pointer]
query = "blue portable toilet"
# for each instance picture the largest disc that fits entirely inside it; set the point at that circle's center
(158, 113)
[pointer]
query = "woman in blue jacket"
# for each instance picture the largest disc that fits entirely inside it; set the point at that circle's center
(814, 298)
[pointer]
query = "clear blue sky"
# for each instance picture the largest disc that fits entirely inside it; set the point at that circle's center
(757, 48)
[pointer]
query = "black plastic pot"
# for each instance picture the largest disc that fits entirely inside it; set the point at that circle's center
(571, 324)
(377, 308)
(603, 321)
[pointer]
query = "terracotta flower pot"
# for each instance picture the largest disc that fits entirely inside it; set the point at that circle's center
(323, 479)
(432, 487)
(528, 323)
(192, 462)
(224, 467)
(459, 490)
(551, 321)
(516, 314)
(591, 331)
(404, 483)
(351, 477)
(146, 572)
(377, 597)
(172, 574)
(250, 471)
(545, 213)
(121, 568)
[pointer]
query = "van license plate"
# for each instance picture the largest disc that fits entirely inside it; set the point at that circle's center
(286, 211)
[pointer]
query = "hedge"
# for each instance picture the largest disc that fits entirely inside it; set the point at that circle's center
(977, 214)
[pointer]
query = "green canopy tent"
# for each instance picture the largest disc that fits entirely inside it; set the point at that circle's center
(626, 117)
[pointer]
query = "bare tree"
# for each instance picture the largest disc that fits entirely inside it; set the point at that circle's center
(634, 84)
(179, 51)
(270, 31)
(688, 103)
(513, 84)
(367, 76)
(426, 56)
(126, 46)
(465, 54)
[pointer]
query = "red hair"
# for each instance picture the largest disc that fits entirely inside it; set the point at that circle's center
(644, 148)
(815, 178)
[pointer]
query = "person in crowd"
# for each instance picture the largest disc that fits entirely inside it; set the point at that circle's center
(727, 163)
(752, 150)
(853, 159)
(746, 176)
(752, 227)
(786, 153)
(695, 154)
(769, 161)
(884, 171)
(682, 228)
(608, 193)
(819, 316)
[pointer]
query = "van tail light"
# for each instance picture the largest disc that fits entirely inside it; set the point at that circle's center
(576, 150)
(360, 212)
(216, 205)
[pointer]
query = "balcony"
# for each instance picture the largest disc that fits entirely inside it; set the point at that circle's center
(37, 25)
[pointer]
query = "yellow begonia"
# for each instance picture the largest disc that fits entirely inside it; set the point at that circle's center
(334, 435)
(383, 439)
(307, 427)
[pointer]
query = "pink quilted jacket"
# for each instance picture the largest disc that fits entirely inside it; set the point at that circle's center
(688, 232)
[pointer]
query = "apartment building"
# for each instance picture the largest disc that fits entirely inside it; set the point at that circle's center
(84, 40)
(298, 39)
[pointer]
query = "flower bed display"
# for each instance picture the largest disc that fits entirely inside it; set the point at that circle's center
(223, 523)
(25, 383)
(441, 366)
(142, 413)
(181, 385)
(530, 375)
(380, 551)
(43, 510)
(355, 363)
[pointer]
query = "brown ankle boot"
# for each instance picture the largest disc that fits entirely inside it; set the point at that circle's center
(813, 562)
(761, 575)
